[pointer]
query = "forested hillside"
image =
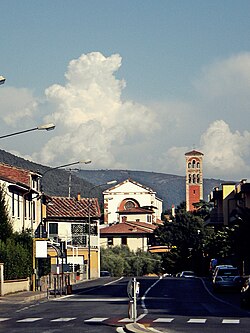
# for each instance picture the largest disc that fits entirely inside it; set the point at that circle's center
(169, 188)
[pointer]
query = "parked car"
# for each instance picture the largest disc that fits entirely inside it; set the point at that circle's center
(105, 274)
(245, 294)
(220, 266)
(187, 274)
(226, 277)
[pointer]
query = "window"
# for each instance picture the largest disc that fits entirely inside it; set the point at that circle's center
(149, 218)
(53, 229)
(25, 207)
(79, 234)
(110, 241)
(124, 240)
(193, 164)
(189, 179)
(33, 210)
(129, 204)
(18, 205)
(13, 204)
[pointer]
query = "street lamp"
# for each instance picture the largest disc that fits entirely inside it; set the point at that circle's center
(41, 186)
(40, 227)
(89, 220)
(47, 127)
(2, 79)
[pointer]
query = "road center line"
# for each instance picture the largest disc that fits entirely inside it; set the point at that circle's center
(145, 310)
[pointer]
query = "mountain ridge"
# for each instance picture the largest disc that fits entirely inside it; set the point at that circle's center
(168, 187)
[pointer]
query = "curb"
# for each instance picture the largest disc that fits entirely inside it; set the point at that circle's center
(139, 328)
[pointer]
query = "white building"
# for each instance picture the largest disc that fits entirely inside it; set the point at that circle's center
(131, 214)
(21, 191)
(121, 199)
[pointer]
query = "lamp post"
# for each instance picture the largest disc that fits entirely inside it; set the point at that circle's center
(89, 221)
(46, 127)
(40, 235)
(2, 79)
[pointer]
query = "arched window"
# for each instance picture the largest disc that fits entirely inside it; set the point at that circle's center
(194, 179)
(198, 178)
(189, 179)
(198, 165)
(129, 204)
(193, 164)
(189, 165)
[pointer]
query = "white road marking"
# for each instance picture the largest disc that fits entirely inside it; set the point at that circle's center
(197, 321)
(230, 321)
(95, 320)
(28, 320)
(4, 319)
(76, 299)
(63, 319)
(163, 320)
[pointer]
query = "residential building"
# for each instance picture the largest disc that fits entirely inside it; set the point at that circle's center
(229, 199)
(194, 178)
(67, 220)
(22, 196)
(136, 235)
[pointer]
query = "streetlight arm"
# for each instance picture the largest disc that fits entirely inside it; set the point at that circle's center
(99, 185)
(2, 79)
(47, 127)
(62, 166)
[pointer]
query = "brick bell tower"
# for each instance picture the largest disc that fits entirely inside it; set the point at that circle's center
(194, 178)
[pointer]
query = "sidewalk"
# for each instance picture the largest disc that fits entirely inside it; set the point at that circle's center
(23, 297)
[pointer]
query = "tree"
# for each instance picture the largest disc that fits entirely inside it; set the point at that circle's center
(6, 229)
(119, 260)
(184, 236)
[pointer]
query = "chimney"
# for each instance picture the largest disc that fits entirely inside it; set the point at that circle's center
(78, 196)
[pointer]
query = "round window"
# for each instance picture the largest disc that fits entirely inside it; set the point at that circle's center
(129, 204)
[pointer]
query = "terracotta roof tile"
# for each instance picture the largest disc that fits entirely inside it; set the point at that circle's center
(15, 174)
(71, 207)
(136, 210)
(127, 228)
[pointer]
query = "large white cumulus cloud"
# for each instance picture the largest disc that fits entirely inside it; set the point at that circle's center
(226, 152)
(94, 121)
(91, 118)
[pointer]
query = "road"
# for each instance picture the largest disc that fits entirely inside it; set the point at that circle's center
(189, 305)
(169, 305)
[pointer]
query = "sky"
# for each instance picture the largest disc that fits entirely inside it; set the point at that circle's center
(132, 84)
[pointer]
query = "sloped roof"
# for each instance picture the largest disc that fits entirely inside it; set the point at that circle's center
(16, 174)
(131, 181)
(135, 210)
(193, 153)
(73, 208)
(126, 228)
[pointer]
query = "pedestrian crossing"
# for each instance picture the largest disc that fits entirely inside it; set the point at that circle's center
(113, 320)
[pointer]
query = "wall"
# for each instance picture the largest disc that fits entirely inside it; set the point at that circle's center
(13, 286)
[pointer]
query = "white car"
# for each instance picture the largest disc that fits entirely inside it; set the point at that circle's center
(187, 274)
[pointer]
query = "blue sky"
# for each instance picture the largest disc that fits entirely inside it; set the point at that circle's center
(129, 84)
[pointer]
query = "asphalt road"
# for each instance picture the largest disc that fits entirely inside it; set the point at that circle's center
(93, 307)
(189, 305)
(168, 305)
